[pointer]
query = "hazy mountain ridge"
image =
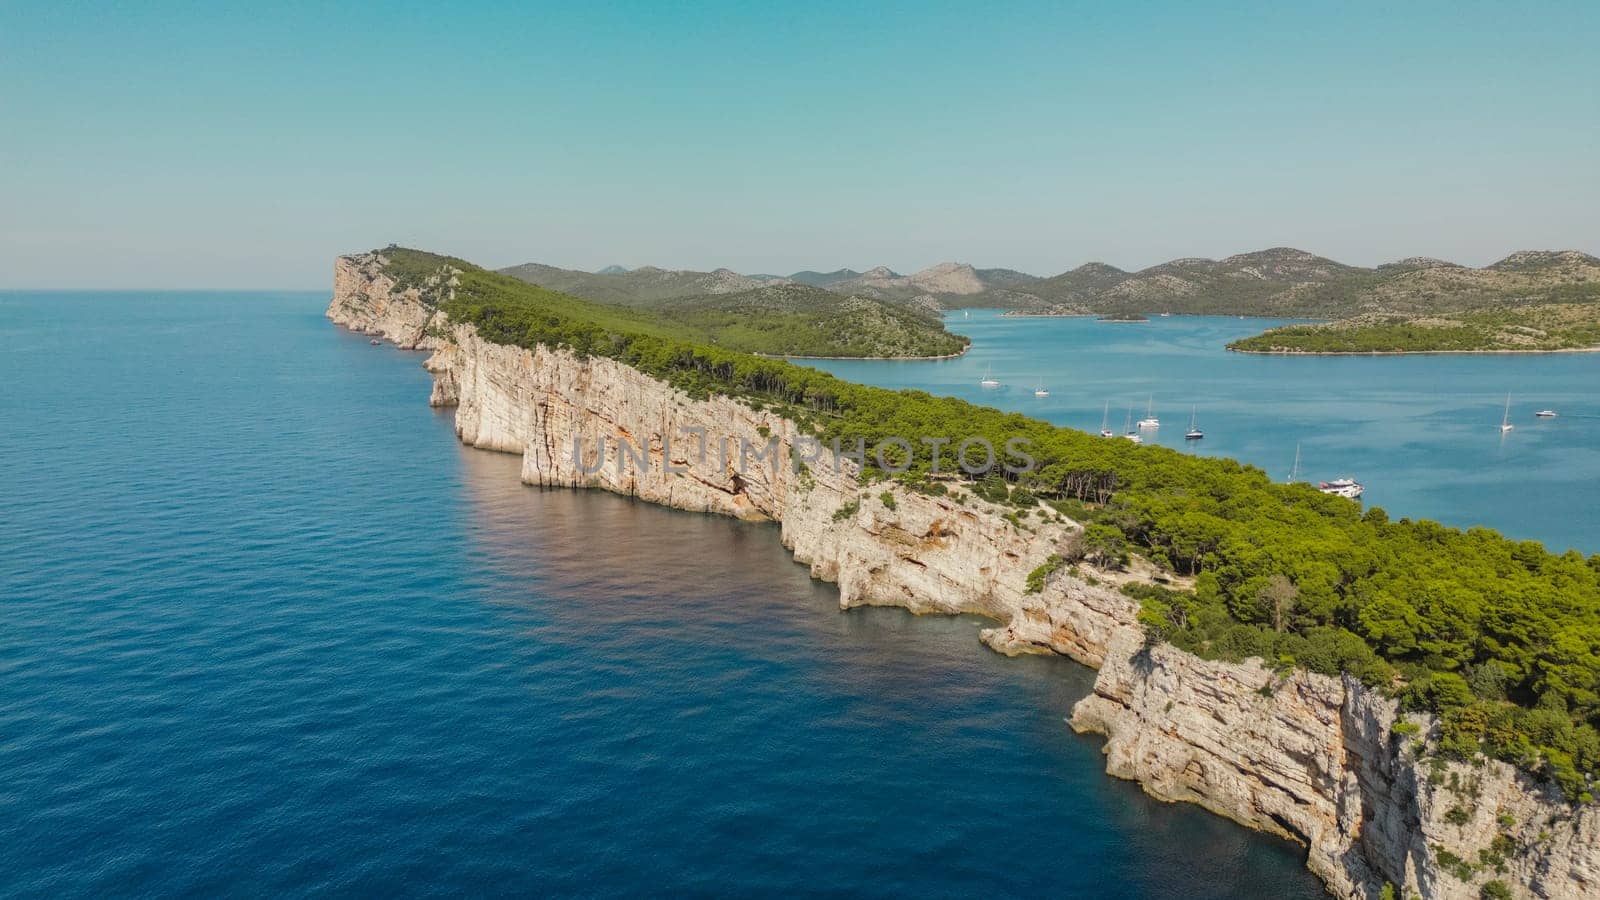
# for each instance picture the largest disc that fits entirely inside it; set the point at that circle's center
(1283, 281)
(1278, 281)
(643, 285)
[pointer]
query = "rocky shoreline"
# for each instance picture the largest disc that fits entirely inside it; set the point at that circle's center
(1312, 758)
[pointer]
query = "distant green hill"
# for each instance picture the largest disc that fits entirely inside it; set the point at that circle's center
(743, 313)
(801, 320)
(824, 279)
(1292, 283)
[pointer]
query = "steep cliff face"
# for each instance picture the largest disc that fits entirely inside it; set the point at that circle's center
(1317, 759)
(1300, 755)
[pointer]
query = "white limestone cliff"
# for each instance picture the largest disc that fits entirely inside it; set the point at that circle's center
(1309, 757)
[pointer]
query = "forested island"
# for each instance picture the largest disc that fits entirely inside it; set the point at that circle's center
(1532, 329)
(1499, 639)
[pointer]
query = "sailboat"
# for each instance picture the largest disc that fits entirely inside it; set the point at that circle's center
(989, 381)
(1505, 420)
(1194, 433)
(1040, 391)
(1150, 420)
(1105, 421)
(1128, 432)
(1294, 472)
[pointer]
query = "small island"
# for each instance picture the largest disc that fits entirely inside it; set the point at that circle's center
(1124, 317)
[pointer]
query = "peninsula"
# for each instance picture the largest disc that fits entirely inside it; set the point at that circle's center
(1414, 704)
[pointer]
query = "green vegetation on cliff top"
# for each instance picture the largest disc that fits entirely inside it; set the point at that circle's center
(1499, 638)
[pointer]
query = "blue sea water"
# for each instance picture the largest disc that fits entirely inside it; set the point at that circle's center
(266, 627)
(1421, 432)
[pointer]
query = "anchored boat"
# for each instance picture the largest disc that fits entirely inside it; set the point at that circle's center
(1150, 420)
(1343, 487)
(1128, 430)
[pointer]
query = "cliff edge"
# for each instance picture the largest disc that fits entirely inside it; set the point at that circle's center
(1316, 759)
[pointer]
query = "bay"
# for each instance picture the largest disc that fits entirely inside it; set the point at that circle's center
(1421, 432)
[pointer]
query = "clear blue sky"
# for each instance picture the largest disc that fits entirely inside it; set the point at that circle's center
(190, 145)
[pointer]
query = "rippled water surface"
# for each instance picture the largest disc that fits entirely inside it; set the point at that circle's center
(266, 627)
(1421, 432)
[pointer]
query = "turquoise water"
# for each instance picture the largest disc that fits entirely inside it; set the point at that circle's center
(267, 628)
(1421, 432)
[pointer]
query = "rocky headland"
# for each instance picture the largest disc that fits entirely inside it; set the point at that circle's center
(1323, 761)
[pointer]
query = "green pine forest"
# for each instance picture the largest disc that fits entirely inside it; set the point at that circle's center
(1499, 638)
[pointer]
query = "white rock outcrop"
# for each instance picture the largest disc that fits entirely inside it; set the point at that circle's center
(1309, 757)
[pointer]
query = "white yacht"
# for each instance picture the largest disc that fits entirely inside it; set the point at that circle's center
(989, 381)
(1344, 486)
(1105, 421)
(1194, 433)
(1150, 420)
(1545, 414)
(1128, 431)
(1505, 420)
(1040, 391)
